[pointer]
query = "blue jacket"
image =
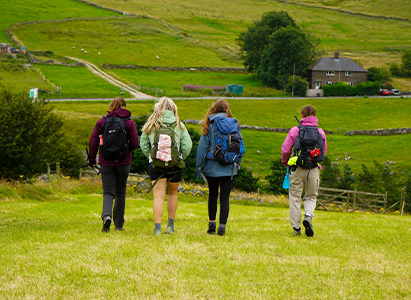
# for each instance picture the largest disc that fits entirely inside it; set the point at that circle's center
(209, 167)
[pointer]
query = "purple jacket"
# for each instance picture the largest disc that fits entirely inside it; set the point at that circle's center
(95, 140)
(288, 144)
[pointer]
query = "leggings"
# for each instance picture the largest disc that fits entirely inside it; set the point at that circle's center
(226, 184)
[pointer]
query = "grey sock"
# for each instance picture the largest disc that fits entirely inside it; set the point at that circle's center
(171, 222)
(221, 226)
(211, 223)
(157, 226)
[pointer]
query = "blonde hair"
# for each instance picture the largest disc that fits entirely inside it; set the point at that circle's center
(160, 108)
(219, 106)
(117, 103)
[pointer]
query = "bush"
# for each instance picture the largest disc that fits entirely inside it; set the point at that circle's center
(378, 74)
(367, 88)
(387, 86)
(300, 86)
(31, 136)
(245, 181)
(338, 89)
(276, 178)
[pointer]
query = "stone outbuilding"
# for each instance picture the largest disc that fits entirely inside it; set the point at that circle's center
(5, 48)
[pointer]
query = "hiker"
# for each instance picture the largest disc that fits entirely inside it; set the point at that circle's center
(305, 170)
(166, 143)
(115, 155)
(219, 175)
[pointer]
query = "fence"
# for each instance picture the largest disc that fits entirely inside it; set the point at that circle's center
(352, 200)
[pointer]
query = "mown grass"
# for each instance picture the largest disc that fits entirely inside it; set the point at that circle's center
(79, 82)
(53, 248)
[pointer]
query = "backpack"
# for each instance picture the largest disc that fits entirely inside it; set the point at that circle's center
(308, 146)
(114, 144)
(165, 152)
(229, 142)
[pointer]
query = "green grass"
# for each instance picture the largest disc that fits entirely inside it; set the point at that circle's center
(79, 82)
(172, 81)
(42, 10)
(53, 248)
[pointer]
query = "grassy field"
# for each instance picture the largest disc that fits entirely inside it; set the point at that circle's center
(334, 115)
(53, 248)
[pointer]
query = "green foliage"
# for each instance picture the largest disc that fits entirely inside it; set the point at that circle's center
(253, 42)
(330, 174)
(378, 74)
(190, 172)
(387, 86)
(300, 86)
(276, 177)
(245, 181)
(347, 179)
(396, 70)
(408, 193)
(344, 89)
(406, 62)
(31, 137)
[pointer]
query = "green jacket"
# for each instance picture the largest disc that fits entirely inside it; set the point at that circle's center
(182, 137)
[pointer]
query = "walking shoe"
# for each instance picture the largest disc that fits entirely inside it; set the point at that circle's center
(120, 228)
(308, 226)
(157, 232)
(211, 228)
(297, 232)
(106, 224)
(169, 230)
(221, 231)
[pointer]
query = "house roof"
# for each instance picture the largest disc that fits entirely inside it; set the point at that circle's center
(332, 64)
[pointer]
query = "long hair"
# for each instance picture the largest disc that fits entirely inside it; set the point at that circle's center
(117, 103)
(160, 108)
(219, 106)
(307, 111)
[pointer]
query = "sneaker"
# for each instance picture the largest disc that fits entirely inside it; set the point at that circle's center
(157, 232)
(221, 231)
(120, 228)
(211, 228)
(106, 224)
(170, 230)
(297, 232)
(308, 226)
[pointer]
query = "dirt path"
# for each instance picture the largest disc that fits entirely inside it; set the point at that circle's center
(95, 70)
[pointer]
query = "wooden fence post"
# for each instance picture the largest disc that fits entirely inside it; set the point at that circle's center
(48, 171)
(353, 207)
(58, 169)
(385, 202)
(348, 201)
(402, 200)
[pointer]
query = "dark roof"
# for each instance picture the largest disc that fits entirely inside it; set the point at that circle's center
(332, 64)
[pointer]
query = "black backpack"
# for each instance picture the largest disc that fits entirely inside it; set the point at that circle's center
(114, 144)
(308, 146)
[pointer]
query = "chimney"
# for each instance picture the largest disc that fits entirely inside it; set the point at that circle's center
(336, 55)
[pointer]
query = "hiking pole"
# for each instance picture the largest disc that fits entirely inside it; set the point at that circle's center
(297, 120)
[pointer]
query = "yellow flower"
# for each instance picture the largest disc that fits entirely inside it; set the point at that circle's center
(357, 212)
(381, 208)
(68, 177)
(397, 212)
(21, 176)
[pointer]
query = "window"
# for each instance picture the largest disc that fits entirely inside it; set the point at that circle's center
(329, 73)
(349, 73)
(329, 82)
(350, 83)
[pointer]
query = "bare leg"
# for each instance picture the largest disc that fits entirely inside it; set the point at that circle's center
(172, 199)
(159, 194)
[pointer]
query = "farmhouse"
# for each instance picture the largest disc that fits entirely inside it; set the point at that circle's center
(5, 48)
(330, 70)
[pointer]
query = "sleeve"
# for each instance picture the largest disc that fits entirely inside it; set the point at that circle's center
(133, 141)
(288, 144)
(203, 146)
(186, 143)
(324, 141)
(145, 144)
(94, 143)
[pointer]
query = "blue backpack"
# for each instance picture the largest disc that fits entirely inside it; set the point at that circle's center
(229, 142)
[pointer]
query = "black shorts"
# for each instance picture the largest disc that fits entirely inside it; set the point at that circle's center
(176, 176)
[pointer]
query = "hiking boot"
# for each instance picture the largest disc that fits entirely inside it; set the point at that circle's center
(211, 228)
(221, 231)
(106, 224)
(120, 228)
(157, 232)
(297, 232)
(308, 226)
(169, 230)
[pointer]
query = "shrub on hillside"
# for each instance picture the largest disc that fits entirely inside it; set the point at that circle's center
(387, 86)
(300, 86)
(338, 89)
(378, 74)
(245, 181)
(31, 136)
(276, 178)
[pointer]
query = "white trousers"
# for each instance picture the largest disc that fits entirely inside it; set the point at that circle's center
(298, 180)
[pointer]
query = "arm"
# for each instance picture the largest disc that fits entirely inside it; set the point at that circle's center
(203, 146)
(94, 143)
(186, 143)
(324, 140)
(288, 144)
(133, 141)
(145, 144)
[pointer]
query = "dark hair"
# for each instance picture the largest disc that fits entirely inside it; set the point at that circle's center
(117, 103)
(219, 106)
(307, 111)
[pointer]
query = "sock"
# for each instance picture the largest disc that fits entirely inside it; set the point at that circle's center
(212, 224)
(221, 226)
(157, 226)
(297, 228)
(171, 223)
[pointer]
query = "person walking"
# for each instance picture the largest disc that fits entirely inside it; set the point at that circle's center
(218, 176)
(114, 161)
(165, 115)
(305, 171)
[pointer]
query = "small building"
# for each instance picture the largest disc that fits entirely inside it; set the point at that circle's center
(330, 70)
(5, 48)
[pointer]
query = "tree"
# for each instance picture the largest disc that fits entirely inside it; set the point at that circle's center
(276, 177)
(285, 47)
(31, 136)
(299, 85)
(347, 180)
(330, 174)
(253, 42)
(406, 62)
(378, 74)
(245, 181)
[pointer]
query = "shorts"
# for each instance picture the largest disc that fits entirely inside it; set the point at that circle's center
(171, 177)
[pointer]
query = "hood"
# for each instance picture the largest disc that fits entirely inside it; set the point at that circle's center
(168, 117)
(122, 113)
(219, 115)
(309, 121)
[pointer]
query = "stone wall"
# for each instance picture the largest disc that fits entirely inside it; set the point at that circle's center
(237, 70)
(379, 132)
